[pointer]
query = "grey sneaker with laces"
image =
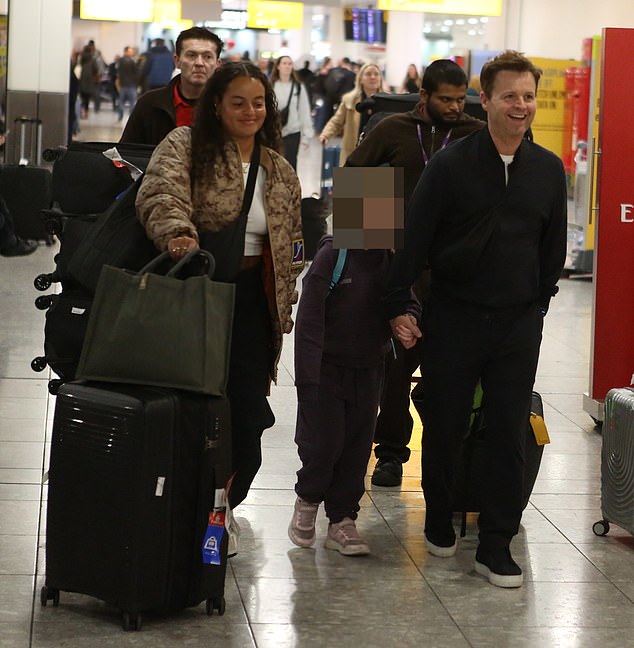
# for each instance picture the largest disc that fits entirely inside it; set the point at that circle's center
(301, 530)
(344, 538)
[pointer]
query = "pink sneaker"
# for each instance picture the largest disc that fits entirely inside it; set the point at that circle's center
(301, 530)
(344, 538)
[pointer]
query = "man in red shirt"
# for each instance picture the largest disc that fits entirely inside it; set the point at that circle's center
(159, 111)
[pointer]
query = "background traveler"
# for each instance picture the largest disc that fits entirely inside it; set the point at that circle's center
(347, 120)
(159, 111)
(290, 92)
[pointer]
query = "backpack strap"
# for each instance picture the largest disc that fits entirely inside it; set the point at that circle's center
(338, 269)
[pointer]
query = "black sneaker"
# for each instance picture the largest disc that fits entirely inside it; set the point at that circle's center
(21, 248)
(442, 545)
(387, 472)
(499, 567)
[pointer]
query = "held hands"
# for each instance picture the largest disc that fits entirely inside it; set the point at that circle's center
(405, 330)
(179, 246)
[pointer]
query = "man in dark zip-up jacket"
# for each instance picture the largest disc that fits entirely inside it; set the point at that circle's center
(489, 216)
(407, 140)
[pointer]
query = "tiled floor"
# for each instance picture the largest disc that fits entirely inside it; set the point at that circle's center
(579, 588)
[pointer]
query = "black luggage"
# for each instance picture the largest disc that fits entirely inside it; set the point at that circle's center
(86, 181)
(314, 214)
(135, 515)
(27, 190)
(471, 464)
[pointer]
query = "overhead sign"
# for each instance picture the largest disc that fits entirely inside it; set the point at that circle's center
(467, 7)
(275, 15)
(119, 10)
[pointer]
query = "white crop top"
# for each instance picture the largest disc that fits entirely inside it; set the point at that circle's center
(256, 219)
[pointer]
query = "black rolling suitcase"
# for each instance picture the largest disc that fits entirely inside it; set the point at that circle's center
(135, 511)
(470, 466)
(26, 189)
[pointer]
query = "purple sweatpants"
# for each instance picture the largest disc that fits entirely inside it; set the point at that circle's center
(334, 438)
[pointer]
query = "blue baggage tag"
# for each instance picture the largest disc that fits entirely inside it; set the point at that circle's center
(213, 538)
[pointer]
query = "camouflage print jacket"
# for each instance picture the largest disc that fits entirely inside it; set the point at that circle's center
(168, 207)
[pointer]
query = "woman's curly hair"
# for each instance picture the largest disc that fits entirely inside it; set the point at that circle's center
(208, 135)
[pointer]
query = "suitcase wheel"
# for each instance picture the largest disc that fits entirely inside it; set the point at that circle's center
(131, 621)
(44, 301)
(43, 281)
(601, 527)
(49, 594)
(54, 385)
(216, 604)
(38, 364)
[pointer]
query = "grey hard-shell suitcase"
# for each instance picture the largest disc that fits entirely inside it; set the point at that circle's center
(617, 462)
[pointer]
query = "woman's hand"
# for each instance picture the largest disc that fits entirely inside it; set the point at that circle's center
(179, 246)
(323, 139)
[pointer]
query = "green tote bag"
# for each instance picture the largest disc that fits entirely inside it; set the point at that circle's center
(154, 329)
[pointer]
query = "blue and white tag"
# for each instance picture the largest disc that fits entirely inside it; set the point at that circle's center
(213, 538)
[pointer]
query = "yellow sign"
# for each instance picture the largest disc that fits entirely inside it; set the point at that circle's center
(595, 108)
(275, 15)
(468, 7)
(548, 127)
(120, 10)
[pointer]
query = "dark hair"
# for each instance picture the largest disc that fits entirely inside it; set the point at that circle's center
(202, 33)
(507, 60)
(275, 73)
(442, 71)
(208, 135)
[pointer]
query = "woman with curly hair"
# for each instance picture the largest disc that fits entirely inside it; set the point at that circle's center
(193, 194)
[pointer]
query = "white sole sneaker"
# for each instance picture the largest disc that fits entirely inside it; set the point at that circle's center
(351, 550)
(499, 580)
(300, 542)
(441, 552)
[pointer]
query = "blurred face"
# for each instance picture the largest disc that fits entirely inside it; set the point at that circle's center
(412, 72)
(242, 109)
(197, 61)
(371, 80)
(285, 67)
(512, 104)
(445, 104)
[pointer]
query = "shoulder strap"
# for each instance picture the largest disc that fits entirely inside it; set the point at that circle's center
(251, 178)
(290, 94)
(338, 269)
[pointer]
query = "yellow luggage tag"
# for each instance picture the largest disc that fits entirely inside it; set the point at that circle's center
(539, 429)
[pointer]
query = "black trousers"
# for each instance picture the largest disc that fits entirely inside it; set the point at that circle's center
(334, 438)
(394, 424)
(249, 369)
(291, 148)
(501, 347)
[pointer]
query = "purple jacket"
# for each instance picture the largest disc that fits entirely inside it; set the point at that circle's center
(345, 326)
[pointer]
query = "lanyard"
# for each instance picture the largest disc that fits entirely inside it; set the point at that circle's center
(422, 148)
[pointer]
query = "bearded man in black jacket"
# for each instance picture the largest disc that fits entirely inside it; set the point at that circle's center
(489, 217)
